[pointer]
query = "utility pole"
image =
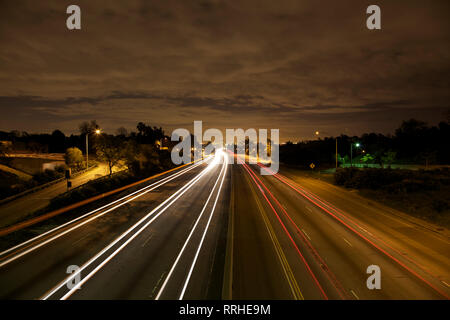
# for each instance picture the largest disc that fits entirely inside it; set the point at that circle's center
(351, 155)
(87, 151)
(336, 155)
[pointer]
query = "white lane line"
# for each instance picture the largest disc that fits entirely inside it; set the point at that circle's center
(308, 208)
(347, 242)
(306, 234)
(81, 239)
(147, 240)
(189, 236)
(445, 283)
(354, 294)
(175, 197)
(365, 231)
(155, 185)
(204, 234)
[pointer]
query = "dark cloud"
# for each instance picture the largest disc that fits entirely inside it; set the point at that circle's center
(294, 65)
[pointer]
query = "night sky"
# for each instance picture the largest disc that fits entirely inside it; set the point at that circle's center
(299, 66)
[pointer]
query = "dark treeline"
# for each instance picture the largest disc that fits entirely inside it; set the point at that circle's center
(414, 142)
(58, 142)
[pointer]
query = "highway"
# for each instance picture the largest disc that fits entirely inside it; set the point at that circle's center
(155, 244)
(291, 244)
(213, 230)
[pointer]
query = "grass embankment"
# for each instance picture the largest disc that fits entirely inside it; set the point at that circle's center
(421, 193)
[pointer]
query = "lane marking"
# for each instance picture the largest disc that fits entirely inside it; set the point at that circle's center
(319, 286)
(287, 270)
(306, 234)
(347, 242)
(148, 239)
(340, 290)
(354, 293)
(81, 239)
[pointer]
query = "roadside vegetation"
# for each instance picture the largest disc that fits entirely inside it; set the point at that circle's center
(421, 193)
(414, 143)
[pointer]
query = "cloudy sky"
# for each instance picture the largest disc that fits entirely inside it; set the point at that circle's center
(299, 65)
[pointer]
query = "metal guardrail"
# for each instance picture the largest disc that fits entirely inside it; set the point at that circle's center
(43, 186)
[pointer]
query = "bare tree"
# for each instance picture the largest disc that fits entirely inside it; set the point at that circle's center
(88, 127)
(109, 151)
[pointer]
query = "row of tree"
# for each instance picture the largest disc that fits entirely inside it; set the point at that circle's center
(414, 142)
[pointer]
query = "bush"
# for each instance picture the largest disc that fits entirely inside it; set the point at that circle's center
(390, 180)
(74, 158)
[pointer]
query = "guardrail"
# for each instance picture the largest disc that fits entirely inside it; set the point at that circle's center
(43, 186)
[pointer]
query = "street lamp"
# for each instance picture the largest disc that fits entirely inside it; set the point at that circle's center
(351, 152)
(97, 131)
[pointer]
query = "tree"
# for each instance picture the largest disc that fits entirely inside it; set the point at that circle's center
(110, 151)
(4, 149)
(122, 131)
(367, 158)
(389, 157)
(57, 141)
(88, 127)
(148, 135)
(74, 157)
(345, 159)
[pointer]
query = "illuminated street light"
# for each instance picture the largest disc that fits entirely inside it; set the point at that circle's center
(97, 131)
(351, 152)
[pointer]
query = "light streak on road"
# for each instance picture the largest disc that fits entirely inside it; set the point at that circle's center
(308, 268)
(163, 206)
(329, 274)
(221, 174)
(139, 193)
(225, 158)
(328, 208)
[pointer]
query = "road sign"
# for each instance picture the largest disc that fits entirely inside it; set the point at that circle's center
(312, 165)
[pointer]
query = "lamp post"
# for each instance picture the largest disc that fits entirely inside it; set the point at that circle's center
(351, 152)
(97, 131)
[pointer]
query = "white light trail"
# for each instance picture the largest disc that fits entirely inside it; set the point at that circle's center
(145, 190)
(204, 234)
(193, 228)
(175, 197)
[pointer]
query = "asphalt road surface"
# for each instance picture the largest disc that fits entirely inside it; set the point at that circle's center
(159, 243)
(291, 244)
(213, 230)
